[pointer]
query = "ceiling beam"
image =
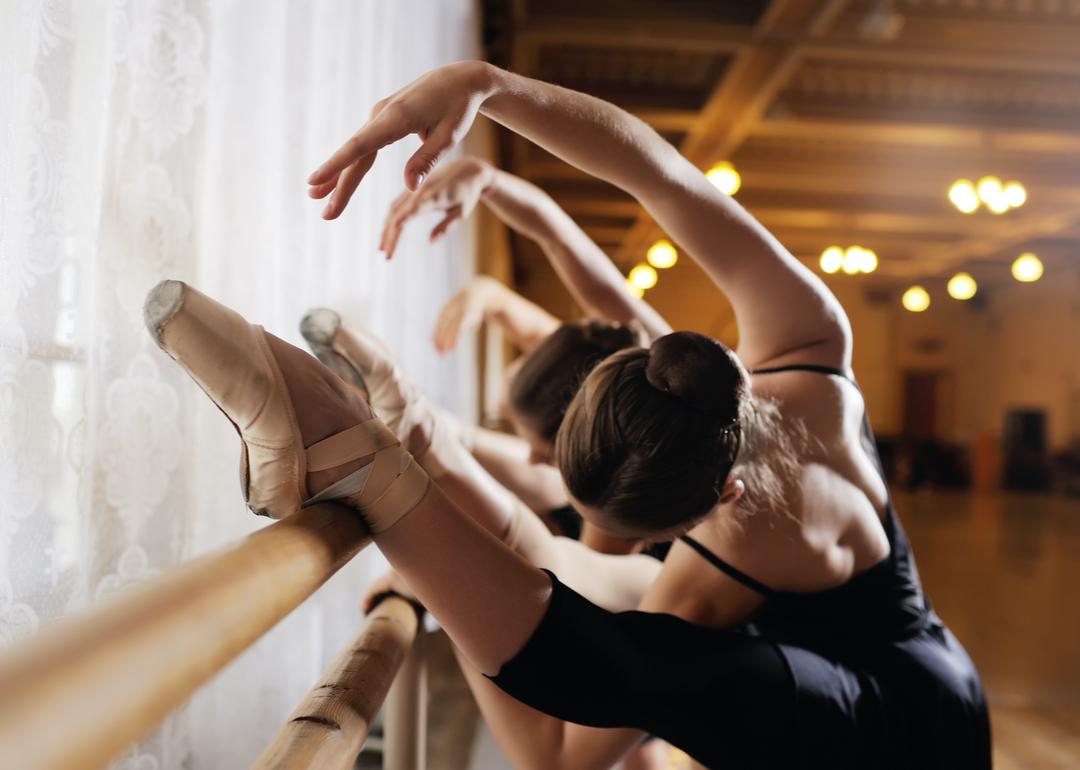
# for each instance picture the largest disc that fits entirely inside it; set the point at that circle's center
(739, 100)
(682, 36)
(926, 134)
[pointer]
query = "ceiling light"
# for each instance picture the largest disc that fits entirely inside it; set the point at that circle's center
(852, 260)
(868, 261)
(831, 259)
(725, 178)
(662, 255)
(963, 195)
(962, 286)
(637, 291)
(1015, 194)
(916, 299)
(989, 189)
(643, 276)
(1027, 268)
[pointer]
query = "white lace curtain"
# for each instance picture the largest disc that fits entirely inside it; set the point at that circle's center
(142, 139)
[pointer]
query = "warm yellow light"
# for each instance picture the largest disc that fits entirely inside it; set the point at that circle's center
(637, 291)
(1015, 194)
(868, 261)
(1027, 268)
(963, 195)
(643, 276)
(989, 188)
(724, 176)
(916, 299)
(962, 286)
(998, 205)
(662, 255)
(831, 259)
(853, 260)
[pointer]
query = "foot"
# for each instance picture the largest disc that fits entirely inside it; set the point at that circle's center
(302, 428)
(324, 406)
(366, 363)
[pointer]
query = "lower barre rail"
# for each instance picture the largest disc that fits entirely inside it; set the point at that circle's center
(405, 716)
(85, 688)
(327, 729)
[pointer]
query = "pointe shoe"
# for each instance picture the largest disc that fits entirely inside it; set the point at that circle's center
(318, 327)
(365, 362)
(231, 361)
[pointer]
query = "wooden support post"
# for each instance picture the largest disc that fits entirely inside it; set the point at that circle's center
(81, 691)
(330, 725)
(405, 717)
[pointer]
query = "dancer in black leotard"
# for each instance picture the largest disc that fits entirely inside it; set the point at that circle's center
(770, 472)
(863, 675)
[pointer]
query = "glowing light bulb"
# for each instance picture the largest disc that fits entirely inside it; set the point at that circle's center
(989, 189)
(831, 259)
(643, 276)
(662, 255)
(998, 205)
(1027, 268)
(1015, 194)
(853, 260)
(868, 261)
(963, 196)
(725, 178)
(962, 286)
(637, 291)
(916, 299)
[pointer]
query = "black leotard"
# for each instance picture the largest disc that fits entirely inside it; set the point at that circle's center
(860, 676)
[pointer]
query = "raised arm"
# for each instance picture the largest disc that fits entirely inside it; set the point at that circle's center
(455, 188)
(781, 307)
(593, 280)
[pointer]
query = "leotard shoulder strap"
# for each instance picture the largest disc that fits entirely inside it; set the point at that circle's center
(807, 368)
(733, 573)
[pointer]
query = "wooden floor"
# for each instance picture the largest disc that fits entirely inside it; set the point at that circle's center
(1003, 571)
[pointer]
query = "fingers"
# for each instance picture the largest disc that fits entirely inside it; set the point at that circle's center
(319, 192)
(423, 160)
(416, 203)
(441, 229)
(444, 334)
(389, 126)
(346, 186)
(393, 218)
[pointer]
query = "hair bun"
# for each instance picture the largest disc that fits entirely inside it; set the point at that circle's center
(699, 371)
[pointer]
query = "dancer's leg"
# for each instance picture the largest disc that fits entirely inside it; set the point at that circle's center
(293, 417)
(613, 582)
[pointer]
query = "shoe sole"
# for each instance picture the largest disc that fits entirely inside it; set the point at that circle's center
(162, 303)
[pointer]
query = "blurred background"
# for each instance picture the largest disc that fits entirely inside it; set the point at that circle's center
(922, 156)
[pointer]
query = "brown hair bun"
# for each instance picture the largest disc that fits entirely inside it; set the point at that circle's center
(652, 434)
(697, 370)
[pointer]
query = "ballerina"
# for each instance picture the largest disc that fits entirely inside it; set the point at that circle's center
(770, 476)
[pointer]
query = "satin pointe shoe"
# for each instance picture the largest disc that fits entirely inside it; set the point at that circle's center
(231, 360)
(364, 361)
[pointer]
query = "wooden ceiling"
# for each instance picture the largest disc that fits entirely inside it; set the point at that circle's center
(847, 119)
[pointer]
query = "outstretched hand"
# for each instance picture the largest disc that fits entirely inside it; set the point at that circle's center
(453, 190)
(439, 107)
(464, 312)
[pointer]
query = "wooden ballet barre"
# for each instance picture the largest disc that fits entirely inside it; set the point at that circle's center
(328, 728)
(81, 691)
(405, 714)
